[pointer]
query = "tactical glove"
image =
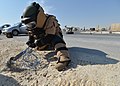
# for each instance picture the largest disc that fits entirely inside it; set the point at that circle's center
(32, 45)
(40, 42)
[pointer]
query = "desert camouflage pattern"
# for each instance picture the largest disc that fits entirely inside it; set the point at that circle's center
(52, 27)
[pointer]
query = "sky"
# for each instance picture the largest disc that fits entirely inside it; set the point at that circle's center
(77, 13)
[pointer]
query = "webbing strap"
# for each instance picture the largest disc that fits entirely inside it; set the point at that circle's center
(46, 21)
(61, 48)
(68, 61)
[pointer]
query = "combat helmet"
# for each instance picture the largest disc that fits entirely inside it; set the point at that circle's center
(31, 13)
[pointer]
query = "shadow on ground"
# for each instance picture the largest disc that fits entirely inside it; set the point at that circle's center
(8, 81)
(84, 56)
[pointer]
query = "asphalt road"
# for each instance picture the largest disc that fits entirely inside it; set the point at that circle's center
(110, 44)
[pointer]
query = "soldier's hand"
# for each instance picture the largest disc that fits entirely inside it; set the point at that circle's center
(40, 43)
(32, 45)
(28, 42)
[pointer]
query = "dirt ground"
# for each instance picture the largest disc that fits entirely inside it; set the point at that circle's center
(92, 70)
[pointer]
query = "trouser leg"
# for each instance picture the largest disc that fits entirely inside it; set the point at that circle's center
(62, 53)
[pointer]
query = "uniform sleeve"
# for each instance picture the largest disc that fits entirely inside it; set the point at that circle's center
(31, 39)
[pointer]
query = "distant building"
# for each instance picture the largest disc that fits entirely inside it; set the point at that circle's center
(103, 29)
(115, 27)
(98, 28)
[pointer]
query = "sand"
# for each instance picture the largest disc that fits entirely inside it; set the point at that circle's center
(92, 70)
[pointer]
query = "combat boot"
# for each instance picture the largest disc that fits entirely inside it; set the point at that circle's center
(62, 63)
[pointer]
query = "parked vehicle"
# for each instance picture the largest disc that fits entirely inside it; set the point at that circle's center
(4, 26)
(69, 31)
(92, 29)
(15, 30)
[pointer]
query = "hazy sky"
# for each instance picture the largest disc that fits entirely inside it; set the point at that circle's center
(79, 13)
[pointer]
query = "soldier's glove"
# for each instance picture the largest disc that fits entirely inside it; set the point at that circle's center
(32, 45)
(28, 43)
(40, 43)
